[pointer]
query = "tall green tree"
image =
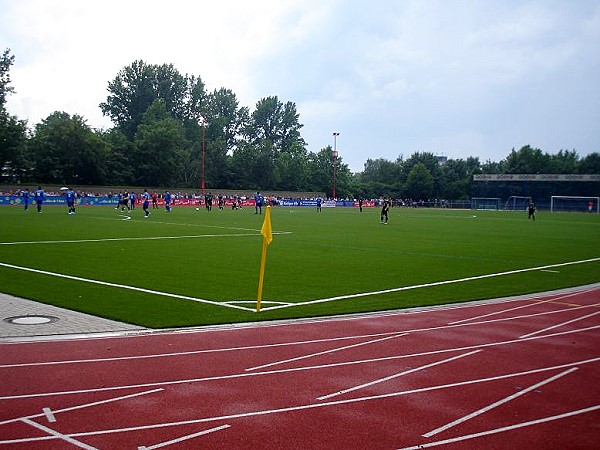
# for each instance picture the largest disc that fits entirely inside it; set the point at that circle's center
(527, 160)
(137, 86)
(6, 60)
(13, 137)
(419, 183)
(65, 150)
(158, 148)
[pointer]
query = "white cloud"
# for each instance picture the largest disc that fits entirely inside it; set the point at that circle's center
(391, 76)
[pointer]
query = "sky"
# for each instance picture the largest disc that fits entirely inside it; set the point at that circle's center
(457, 78)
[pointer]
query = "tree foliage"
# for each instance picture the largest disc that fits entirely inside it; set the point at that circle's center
(170, 132)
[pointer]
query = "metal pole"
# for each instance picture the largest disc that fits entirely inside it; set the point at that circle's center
(334, 156)
(203, 156)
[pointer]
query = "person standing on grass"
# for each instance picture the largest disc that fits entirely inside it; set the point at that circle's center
(531, 211)
(26, 194)
(167, 199)
(319, 203)
(39, 197)
(132, 200)
(258, 203)
(360, 203)
(146, 200)
(71, 200)
(208, 199)
(385, 207)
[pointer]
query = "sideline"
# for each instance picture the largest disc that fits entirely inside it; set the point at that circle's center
(234, 305)
(123, 286)
(437, 283)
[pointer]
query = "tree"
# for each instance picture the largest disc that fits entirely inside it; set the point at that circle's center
(590, 164)
(158, 148)
(6, 61)
(527, 160)
(277, 123)
(12, 130)
(381, 170)
(419, 183)
(13, 141)
(138, 85)
(66, 150)
(119, 161)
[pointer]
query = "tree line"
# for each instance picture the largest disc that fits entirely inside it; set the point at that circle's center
(168, 127)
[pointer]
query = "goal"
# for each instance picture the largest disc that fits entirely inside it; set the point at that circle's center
(485, 203)
(517, 203)
(567, 203)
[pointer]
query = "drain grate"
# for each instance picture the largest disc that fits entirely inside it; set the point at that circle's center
(31, 320)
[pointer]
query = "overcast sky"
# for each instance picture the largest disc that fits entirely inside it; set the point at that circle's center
(457, 78)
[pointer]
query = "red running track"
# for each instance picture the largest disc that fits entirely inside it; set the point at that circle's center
(513, 373)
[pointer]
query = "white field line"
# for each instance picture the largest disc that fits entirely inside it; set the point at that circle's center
(498, 403)
(301, 369)
(503, 429)
(326, 352)
(321, 405)
(123, 286)
(146, 238)
(529, 305)
(396, 375)
(577, 319)
(183, 438)
(341, 338)
(437, 283)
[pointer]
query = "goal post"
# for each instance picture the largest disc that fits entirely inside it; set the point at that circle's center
(569, 203)
(517, 203)
(480, 203)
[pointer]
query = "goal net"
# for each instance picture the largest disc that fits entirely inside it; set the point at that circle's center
(566, 203)
(485, 203)
(517, 203)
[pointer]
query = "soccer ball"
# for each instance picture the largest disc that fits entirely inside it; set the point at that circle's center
(197, 209)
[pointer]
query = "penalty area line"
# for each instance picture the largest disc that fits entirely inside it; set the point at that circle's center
(437, 283)
(123, 286)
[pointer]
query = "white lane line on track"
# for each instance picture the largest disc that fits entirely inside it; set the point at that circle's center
(49, 415)
(58, 435)
(558, 325)
(498, 403)
(321, 405)
(529, 305)
(325, 352)
(83, 406)
(409, 331)
(296, 369)
(396, 375)
(183, 438)
(503, 429)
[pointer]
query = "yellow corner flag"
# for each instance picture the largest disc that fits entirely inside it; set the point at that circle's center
(267, 230)
(267, 233)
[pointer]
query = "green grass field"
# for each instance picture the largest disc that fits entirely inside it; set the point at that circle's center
(203, 268)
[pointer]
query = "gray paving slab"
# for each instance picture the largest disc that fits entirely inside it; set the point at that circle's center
(22, 318)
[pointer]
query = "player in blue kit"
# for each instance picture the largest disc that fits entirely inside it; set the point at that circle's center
(167, 199)
(25, 195)
(71, 196)
(146, 203)
(39, 197)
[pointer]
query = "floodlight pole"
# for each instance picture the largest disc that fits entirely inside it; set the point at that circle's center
(202, 122)
(334, 156)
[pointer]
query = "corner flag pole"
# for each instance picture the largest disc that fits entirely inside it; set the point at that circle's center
(267, 233)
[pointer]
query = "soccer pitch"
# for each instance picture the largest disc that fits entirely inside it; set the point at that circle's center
(193, 267)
